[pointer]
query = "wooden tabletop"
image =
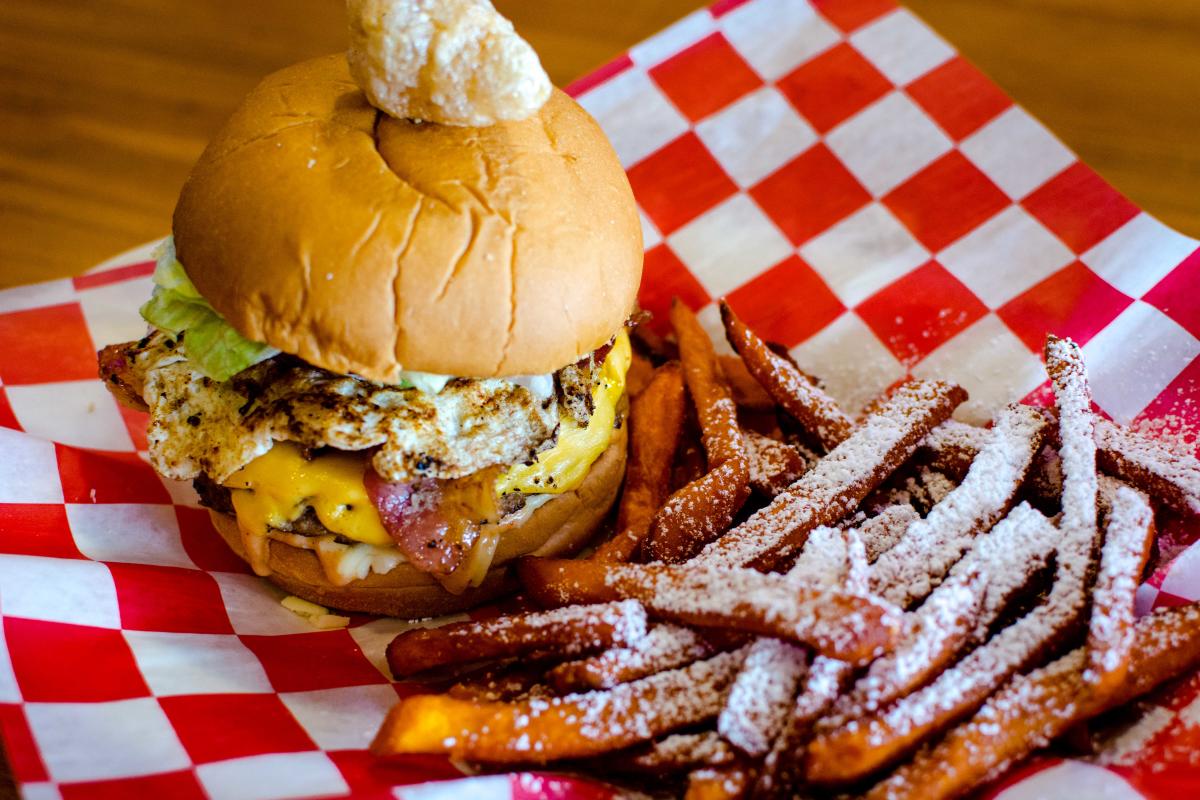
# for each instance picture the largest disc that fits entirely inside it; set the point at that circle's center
(105, 104)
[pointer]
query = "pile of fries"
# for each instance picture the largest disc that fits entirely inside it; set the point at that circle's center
(799, 601)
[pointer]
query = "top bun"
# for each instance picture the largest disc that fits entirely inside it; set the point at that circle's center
(365, 244)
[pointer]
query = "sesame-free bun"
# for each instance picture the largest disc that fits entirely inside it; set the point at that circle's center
(365, 244)
(559, 527)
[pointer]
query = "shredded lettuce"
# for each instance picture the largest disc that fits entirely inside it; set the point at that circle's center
(211, 344)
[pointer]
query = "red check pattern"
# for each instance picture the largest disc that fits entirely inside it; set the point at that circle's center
(859, 191)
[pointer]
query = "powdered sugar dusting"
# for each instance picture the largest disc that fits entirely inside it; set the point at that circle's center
(1123, 747)
(839, 482)
(833, 622)
(1173, 475)
(913, 567)
(774, 465)
(881, 532)
(683, 750)
(761, 696)
(664, 647)
(1128, 535)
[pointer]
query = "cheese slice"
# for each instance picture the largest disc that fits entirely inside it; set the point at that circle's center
(275, 489)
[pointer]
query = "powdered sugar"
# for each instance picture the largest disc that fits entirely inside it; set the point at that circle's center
(761, 696)
(774, 465)
(664, 647)
(1173, 475)
(913, 567)
(1127, 542)
(883, 531)
(835, 623)
(839, 482)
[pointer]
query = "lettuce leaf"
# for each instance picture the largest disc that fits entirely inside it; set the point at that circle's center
(211, 344)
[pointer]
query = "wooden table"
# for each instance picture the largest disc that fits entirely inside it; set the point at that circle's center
(105, 104)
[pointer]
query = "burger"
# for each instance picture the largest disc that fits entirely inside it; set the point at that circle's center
(388, 353)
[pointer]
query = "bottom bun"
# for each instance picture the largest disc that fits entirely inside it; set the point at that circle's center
(559, 527)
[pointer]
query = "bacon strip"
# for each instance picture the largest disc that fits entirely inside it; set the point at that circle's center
(911, 569)
(1037, 708)
(816, 411)
(118, 373)
(839, 482)
(1129, 535)
(839, 624)
(570, 630)
(544, 729)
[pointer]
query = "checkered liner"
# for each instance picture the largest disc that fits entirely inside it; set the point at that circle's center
(858, 191)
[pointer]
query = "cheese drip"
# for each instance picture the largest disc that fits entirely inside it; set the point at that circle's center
(274, 489)
(563, 467)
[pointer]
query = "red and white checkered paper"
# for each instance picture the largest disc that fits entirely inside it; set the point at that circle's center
(859, 191)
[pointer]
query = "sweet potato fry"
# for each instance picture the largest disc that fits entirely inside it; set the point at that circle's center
(1129, 535)
(539, 730)
(1168, 476)
(1036, 708)
(729, 782)
(761, 696)
(884, 531)
(911, 569)
(839, 482)
(774, 465)
(809, 405)
(639, 374)
(706, 384)
(570, 630)
(658, 348)
(851, 627)
(655, 423)
(506, 680)
(848, 753)
(665, 647)
(676, 753)
(747, 392)
(1076, 432)
(698, 512)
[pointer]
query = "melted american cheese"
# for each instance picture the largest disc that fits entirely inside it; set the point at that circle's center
(274, 489)
(563, 467)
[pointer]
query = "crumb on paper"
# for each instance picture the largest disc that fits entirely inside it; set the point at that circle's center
(454, 62)
(317, 616)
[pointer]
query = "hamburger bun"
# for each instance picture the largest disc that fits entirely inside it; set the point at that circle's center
(559, 527)
(365, 244)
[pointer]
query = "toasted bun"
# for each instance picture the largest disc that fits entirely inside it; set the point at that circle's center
(558, 528)
(367, 244)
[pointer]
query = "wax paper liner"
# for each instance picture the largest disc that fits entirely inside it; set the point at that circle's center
(859, 192)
